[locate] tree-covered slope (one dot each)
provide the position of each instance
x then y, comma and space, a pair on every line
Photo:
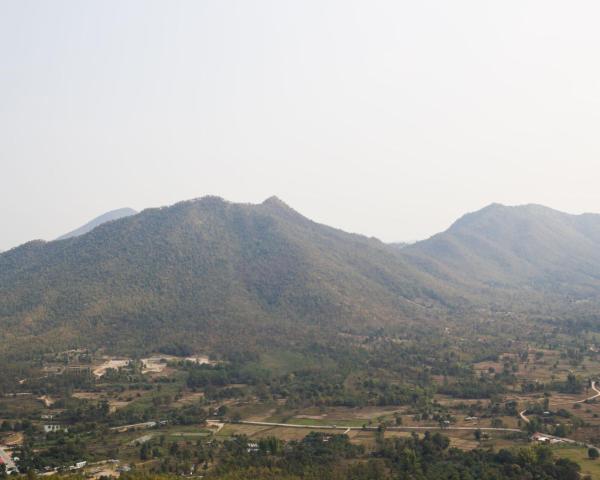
203, 272
208, 273
527, 249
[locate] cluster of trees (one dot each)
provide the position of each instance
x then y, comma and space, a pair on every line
223, 374
64, 449
572, 384
24, 426
332, 457
473, 387
428, 457
178, 457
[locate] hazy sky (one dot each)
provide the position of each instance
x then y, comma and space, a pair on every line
388, 118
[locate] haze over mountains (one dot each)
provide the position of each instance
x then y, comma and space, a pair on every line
106, 217
208, 271
527, 248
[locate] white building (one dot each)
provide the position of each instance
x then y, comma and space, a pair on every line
52, 427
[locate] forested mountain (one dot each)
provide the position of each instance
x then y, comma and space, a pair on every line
107, 217
207, 271
399, 245
526, 250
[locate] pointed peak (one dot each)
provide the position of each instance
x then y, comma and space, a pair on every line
274, 200
276, 205
494, 206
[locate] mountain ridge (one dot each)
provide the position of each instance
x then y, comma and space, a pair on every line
520, 246
213, 273
200, 270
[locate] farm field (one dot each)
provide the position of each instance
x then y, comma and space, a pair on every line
580, 455
139, 411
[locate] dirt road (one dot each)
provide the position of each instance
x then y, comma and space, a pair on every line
347, 428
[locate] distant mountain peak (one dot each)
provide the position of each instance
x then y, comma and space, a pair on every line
524, 246
533, 207
205, 271
275, 204
106, 217
500, 213
274, 200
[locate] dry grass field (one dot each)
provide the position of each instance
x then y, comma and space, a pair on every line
579, 455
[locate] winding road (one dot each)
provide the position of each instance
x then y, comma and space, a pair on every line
347, 429
594, 388
591, 398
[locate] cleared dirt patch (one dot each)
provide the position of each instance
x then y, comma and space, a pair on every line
115, 364
288, 433
338, 414
47, 400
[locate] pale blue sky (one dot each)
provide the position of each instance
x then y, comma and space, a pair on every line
388, 118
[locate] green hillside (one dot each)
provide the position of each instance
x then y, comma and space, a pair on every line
203, 273
212, 275
527, 251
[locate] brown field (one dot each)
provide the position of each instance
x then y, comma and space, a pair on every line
14, 439
338, 414
189, 398
287, 433
579, 455
543, 369
93, 396
115, 402
463, 440
240, 429
365, 438
460, 439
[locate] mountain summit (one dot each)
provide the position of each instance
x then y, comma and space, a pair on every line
206, 271
524, 247
210, 273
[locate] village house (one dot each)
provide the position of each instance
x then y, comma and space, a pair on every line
53, 427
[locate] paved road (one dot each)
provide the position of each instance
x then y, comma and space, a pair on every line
398, 428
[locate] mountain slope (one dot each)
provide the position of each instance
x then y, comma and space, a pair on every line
217, 275
399, 245
527, 249
107, 217
204, 272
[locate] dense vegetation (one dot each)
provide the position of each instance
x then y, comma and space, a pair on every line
519, 255
298, 316
202, 274
323, 457
215, 275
